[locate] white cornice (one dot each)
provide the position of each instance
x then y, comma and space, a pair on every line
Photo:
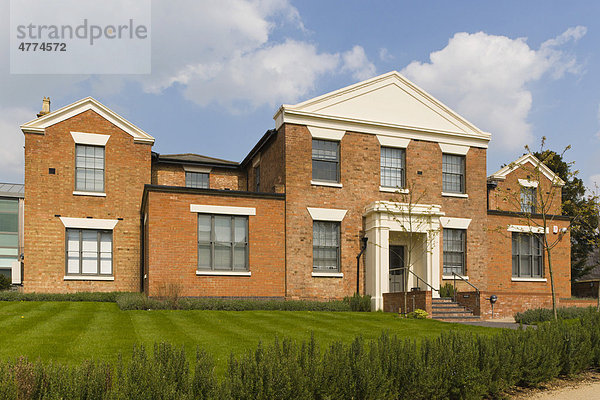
501, 174
326, 214
89, 223
38, 125
93, 139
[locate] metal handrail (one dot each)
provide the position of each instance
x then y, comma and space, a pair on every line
418, 278
454, 275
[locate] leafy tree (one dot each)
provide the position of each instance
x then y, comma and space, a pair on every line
585, 236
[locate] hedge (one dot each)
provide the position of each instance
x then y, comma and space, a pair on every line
456, 365
537, 315
139, 301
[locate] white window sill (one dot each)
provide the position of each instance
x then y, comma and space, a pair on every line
327, 275
393, 190
323, 183
461, 195
88, 278
95, 194
449, 278
223, 273
529, 279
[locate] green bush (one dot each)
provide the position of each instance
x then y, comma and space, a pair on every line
358, 302
537, 315
80, 296
5, 283
455, 365
417, 314
447, 290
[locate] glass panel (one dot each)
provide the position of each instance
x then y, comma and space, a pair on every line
106, 242
89, 241
9, 240
204, 256
73, 240
196, 180
9, 252
7, 262
90, 263
106, 265
222, 229
325, 157
239, 257
515, 265
240, 229
223, 256
6, 272
204, 228
9, 206
73, 263
9, 222
525, 266
324, 170
392, 167
453, 173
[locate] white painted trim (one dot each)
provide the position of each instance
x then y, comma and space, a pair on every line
528, 183
454, 149
391, 141
526, 229
529, 279
206, 209
449, 278
88, 278
323, 183
393, 190
93, 139
38, 125
223, 273
326, 133
256, 161
95, 194
455, 223
16, 273
326, 214
193, 168
500, 175
89, 223
327, 274
461, 195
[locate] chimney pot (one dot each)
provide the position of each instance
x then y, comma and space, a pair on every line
45, 107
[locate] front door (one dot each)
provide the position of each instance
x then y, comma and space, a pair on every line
396, 269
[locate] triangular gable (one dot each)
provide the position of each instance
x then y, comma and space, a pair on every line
501, 174
389, 103
39, 124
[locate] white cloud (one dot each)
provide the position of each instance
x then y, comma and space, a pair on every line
13, 140
357, 63
384, 54
485, 78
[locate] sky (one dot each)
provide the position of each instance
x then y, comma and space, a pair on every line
520, 70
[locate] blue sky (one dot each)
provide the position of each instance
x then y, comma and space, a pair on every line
221, 68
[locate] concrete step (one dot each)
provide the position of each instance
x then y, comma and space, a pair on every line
457, 318
452, 314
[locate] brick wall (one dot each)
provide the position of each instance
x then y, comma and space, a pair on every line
585, 289
219, 178
173, 255
127, 169
271, 159
359, 170
394, 302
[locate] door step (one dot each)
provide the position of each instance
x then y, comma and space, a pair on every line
446, 309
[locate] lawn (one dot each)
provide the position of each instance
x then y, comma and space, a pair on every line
69, 332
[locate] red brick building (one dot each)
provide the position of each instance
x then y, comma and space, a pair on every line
380, 161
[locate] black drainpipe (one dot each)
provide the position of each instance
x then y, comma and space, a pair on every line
362, 250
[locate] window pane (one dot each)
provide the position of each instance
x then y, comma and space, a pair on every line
197, 180
204, 227
9, 240
240, 229
73, 240
453, 173
9, 206
89, 163
222, 229
73, 262
326, 245
14, 252
89, 241
106, 242
324, 171
9, 222
325, 156
106, 264
239, 257
204, 257
223, 256
392, 167
89, 263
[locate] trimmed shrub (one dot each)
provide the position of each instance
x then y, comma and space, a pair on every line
537, 315
110, 297
447, 290
5, 283
417, 314
359, 303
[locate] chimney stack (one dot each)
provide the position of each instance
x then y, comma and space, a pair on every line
45, 107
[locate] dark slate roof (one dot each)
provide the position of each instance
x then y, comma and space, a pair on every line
194, 159
12, 190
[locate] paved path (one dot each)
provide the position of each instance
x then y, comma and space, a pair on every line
508, 322
584, 391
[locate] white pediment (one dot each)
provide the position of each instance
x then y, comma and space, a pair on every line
389, 105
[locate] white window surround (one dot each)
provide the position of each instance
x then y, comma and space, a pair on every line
528, 183
526, 229
449, 278
390, 141
327, 274
326, 133
326, 214
223, 273
515, 279
454, 149
325, 183
193, 168
95, 194
88, 278
226, 210
89, 223
393, 190
92, 139
460, 195
455, 223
